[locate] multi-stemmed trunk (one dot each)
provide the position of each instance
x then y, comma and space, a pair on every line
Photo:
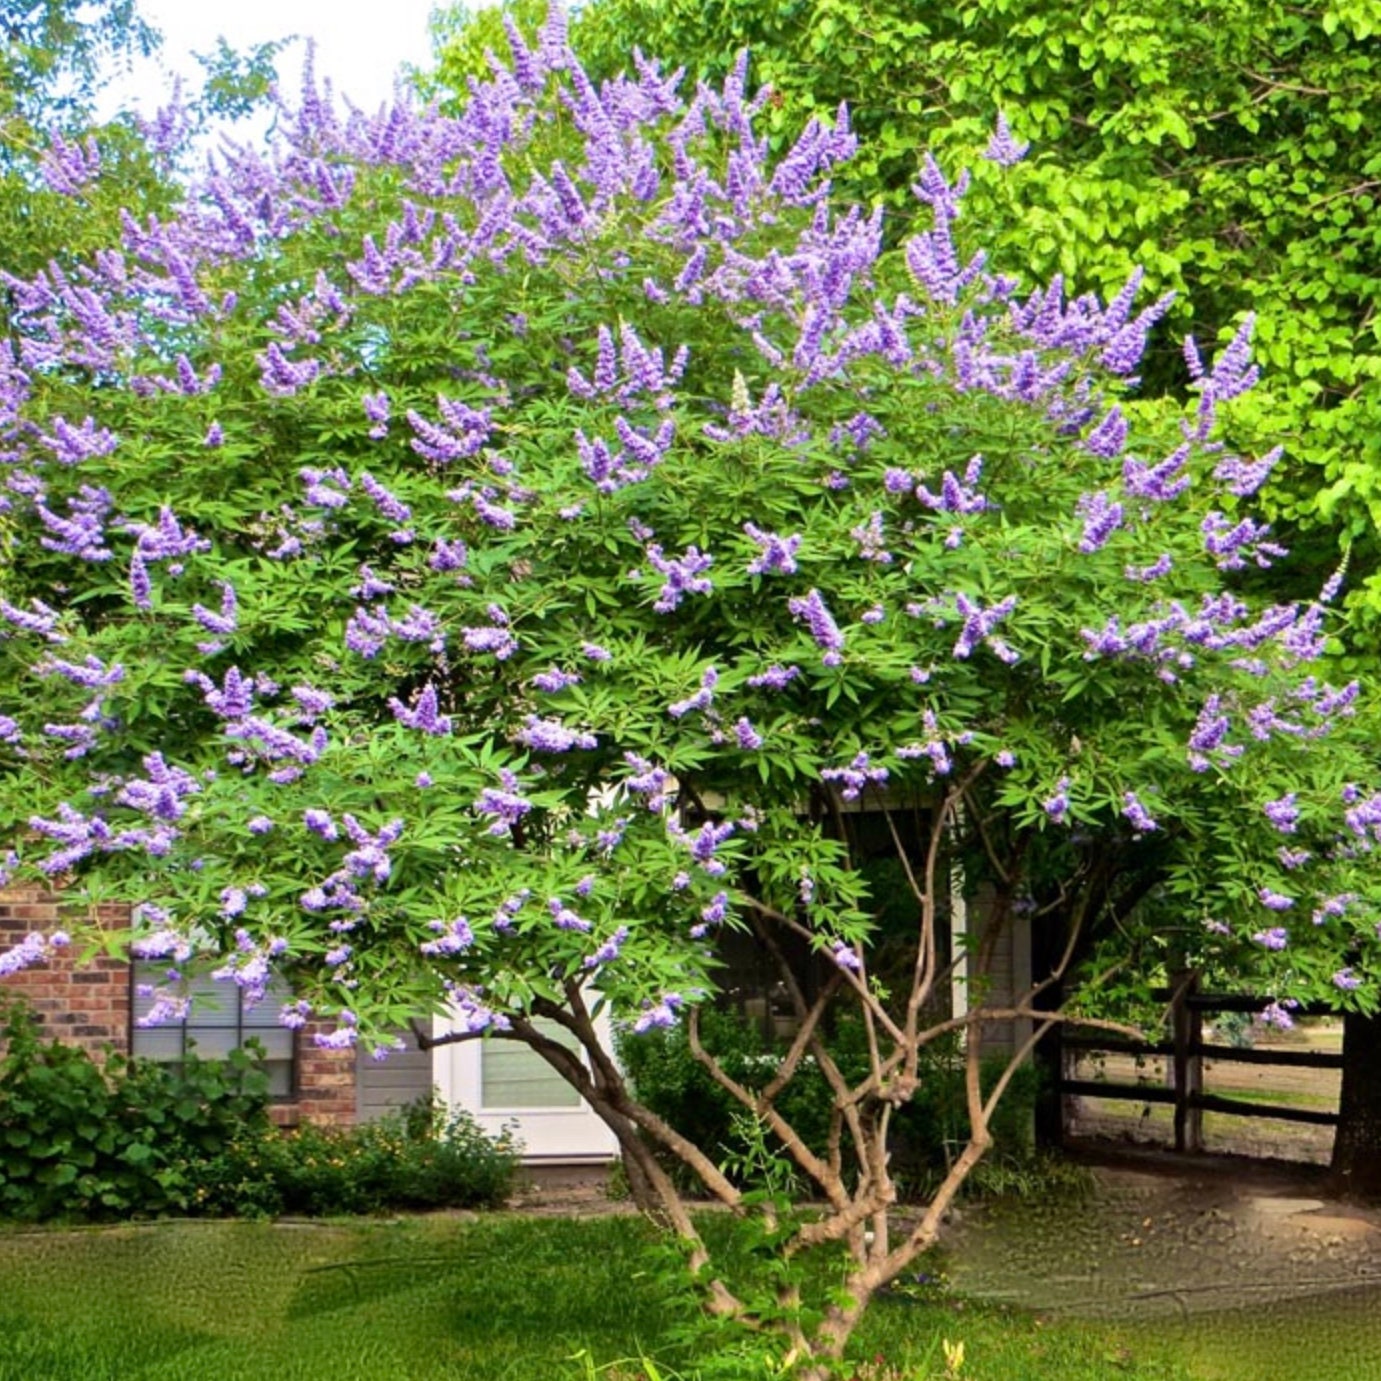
851, 1186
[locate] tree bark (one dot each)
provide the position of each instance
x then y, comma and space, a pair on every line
1357, 1145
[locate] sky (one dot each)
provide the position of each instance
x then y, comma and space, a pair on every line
360, 43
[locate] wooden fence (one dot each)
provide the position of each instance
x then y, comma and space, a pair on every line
1187, 1051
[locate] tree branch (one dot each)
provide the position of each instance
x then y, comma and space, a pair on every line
761, 1107
850, 978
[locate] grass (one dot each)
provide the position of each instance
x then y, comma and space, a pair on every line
494, 1298
368, 1301
1240, 1089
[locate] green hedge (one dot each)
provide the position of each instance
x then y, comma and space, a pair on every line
134, 1138
83, 1140
424, 1158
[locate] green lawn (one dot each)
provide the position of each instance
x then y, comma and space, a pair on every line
502, 1296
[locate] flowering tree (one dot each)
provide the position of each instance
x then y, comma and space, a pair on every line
1225, 147
474, 564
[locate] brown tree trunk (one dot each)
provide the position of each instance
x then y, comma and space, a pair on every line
1357, 1145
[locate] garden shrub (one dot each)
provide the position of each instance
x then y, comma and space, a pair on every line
130, 1137
489, 558
86, 1140
677, 1087
425, 1157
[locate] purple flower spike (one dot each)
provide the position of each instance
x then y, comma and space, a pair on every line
505, 803
684, 576
294, 1015
224, 623
554, 679
775, 554
1002, 148
858, 775
1137, 815
1206, 743
747, 736
565, 919
701, 700
979, 625
870, 541
655, 783
1233, 373
454, 938
1109, 437
1145, 574
609, 951
956, 495
552, 736
1283, 814
33, 949
1056, 807
846, 956
661, 1014
376, 409
812, 610
1332, 908
320, 823
41, 622
1101, 518
342, 1038
774, 678
423, 715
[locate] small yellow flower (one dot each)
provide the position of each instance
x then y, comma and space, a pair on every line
954, 1356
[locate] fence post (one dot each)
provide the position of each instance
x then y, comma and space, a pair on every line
1188, 1024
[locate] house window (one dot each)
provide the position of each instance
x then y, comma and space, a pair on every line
217, 1023
514, 1076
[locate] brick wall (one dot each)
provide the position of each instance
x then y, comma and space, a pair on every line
325, 1083
86, 1006
89, 1006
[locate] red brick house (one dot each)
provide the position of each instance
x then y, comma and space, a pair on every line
96, 1005
502, 1083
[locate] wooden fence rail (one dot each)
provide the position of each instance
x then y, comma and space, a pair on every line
1187, 1051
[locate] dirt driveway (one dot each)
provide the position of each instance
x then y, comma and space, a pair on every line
1157, 1241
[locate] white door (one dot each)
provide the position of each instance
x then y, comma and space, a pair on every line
504, 1083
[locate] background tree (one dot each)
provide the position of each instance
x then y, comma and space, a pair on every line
51, 67
65, 177
472, 564
57, 53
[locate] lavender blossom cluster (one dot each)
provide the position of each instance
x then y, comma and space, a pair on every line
693, 429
